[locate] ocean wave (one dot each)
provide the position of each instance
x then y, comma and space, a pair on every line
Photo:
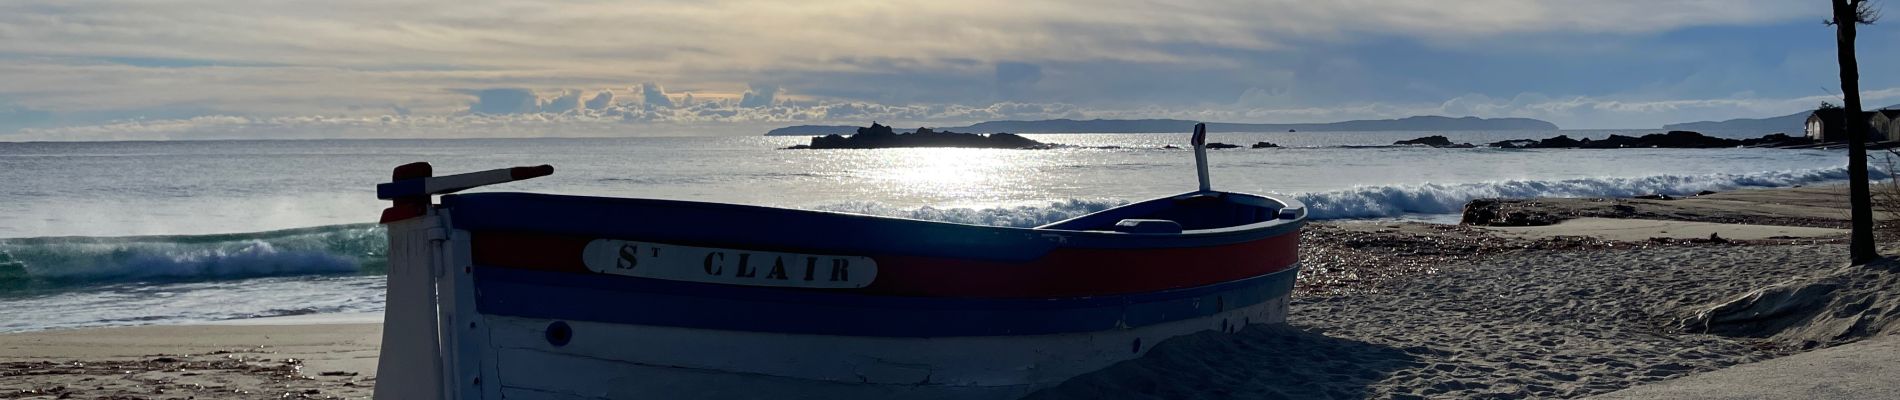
1399, 200
1366, 202
335, 249
361, 248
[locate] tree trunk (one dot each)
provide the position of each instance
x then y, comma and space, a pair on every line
1861, 249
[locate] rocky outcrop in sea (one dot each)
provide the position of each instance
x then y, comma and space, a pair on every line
1434, 141
882, 137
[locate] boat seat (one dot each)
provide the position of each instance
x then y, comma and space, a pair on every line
1147, 226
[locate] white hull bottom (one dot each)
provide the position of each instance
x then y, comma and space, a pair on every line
613, 361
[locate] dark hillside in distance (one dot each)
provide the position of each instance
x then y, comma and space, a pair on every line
1419, 123
1791, 123
1785, 123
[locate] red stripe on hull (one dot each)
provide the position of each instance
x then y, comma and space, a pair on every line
1073, 272
1064, 272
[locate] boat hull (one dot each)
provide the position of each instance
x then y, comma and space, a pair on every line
617, 361
540, 296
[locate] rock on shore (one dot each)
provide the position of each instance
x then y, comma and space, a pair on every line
1813, 206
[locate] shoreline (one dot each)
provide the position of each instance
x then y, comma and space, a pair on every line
1818, 206
1346, 256
1399, 309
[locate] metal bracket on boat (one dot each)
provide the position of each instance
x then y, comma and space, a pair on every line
411, 185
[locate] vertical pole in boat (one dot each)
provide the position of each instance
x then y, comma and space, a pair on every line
1200, 155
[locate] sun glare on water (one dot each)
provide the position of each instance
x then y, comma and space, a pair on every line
966, 176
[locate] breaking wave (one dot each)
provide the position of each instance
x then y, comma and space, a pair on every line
361, 248
336, 249
1400, 200
1367, 202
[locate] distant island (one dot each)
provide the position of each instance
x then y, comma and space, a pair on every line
1670, 140
1786, 123
1419, 123
879, 136
1791, 123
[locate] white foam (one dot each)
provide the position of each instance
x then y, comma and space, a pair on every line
252, 258
1399, 200
360, 317
80, 260
1392, 201
348, 248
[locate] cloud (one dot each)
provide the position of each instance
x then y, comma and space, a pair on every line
601, 100
1015, 79
1256, 97
694, 43
676, 37
759, 96
505, 101
720, 117
653, 95
569, 100
102, 63
732, 118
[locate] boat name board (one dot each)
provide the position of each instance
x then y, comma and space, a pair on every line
727, 266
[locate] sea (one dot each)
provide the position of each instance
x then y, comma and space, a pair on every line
174, 232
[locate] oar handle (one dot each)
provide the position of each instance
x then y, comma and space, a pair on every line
1200, 155
411, 185
425, 185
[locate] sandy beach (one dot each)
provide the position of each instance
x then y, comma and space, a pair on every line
1590, 304
275, 361
1587, 306
1549, 324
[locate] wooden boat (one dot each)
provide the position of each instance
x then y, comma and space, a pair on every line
535, 296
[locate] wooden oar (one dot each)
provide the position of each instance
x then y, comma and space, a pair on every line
411, 186
1200, 155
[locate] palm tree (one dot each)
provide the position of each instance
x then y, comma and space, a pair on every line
1847, 15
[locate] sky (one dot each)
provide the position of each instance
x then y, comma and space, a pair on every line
201, 69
